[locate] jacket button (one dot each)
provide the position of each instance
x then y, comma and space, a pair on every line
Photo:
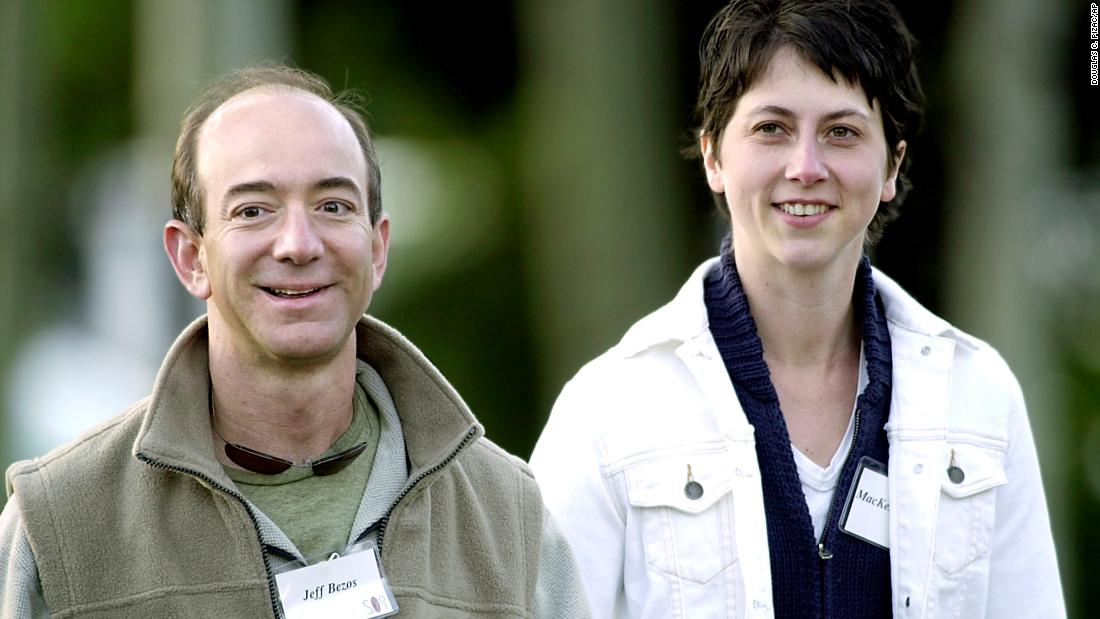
954, 473
927, 350
692, 489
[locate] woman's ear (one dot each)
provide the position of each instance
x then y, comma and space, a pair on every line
890, 185
710, 163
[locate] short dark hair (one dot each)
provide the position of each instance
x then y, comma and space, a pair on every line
863, 41
187, 203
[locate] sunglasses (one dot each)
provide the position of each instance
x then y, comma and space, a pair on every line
259, 462
265, 464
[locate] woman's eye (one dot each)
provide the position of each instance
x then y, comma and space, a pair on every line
251, 212
841, 132
768, 128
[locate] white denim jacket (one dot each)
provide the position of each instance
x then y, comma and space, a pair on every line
613, 464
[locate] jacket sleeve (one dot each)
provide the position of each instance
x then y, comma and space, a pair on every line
559, 592
1023, 577
20, 591
567, 465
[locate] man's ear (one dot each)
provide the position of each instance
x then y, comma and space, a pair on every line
184, 247
380, 248
711, 164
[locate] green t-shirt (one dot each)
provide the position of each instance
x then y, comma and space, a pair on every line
317, 513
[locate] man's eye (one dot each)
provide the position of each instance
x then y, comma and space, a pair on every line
251, 212
334, 207
768, 128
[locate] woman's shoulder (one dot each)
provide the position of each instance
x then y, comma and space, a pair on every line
909, 319
982, 392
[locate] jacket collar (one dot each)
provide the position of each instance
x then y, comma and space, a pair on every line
175, 431
685, 317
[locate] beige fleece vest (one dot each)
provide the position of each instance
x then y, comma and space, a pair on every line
116, 537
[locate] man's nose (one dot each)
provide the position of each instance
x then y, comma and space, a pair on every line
806, 164
298, 238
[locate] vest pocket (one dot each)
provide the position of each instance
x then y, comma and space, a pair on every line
687, 529
964, 525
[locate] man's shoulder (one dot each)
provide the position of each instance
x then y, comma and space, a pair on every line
496, 459
497, 482
96, 450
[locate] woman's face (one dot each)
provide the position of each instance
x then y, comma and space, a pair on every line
803, 164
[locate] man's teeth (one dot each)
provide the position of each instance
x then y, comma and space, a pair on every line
801, 210
292, 293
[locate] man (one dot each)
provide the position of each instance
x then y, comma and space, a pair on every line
285, 426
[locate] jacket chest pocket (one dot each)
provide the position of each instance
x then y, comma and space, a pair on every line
964, 525
686, 522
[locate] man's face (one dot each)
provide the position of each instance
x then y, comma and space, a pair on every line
803, 164
288, 260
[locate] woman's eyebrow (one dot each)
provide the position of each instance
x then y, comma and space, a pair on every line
849, 111
779, 110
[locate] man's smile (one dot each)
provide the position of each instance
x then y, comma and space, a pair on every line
292, 293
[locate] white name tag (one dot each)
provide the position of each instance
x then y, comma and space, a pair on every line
866, 513
348, 586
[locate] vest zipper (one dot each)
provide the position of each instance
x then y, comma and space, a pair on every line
272, 591
380, 525
822, 549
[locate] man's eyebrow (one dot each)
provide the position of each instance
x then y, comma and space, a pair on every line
334, 182
250, 187
338, 182
786, 113
245, 188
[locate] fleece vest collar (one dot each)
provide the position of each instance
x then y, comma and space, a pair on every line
175, 431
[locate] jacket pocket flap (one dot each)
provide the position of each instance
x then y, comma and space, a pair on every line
665, 482
979, 469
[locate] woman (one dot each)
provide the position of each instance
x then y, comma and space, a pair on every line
793, 435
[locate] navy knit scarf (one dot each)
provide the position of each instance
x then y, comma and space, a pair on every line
855, 581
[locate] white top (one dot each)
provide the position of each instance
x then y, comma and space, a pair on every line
818, 484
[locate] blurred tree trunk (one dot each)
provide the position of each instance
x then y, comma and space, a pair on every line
178, 47
21, 172
1003, 180
602, 226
